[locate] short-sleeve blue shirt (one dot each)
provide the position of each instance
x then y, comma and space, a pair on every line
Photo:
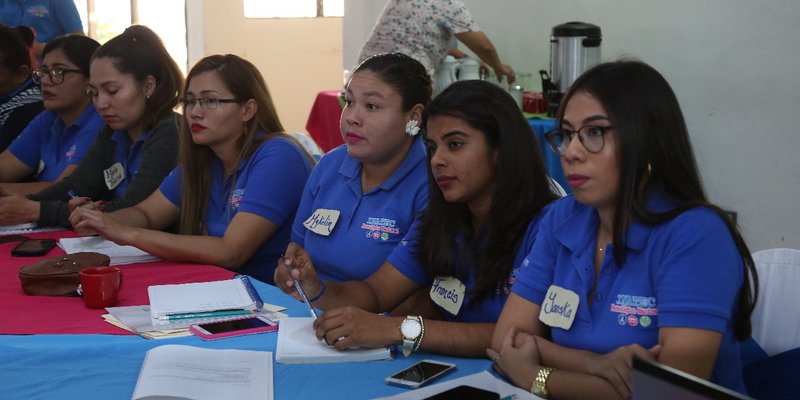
48, 146
683, 273
268, 184
371, 224
405, 258
50, 18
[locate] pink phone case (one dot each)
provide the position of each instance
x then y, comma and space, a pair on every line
195, 329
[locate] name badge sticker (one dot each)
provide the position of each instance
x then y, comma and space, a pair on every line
114, 175
448, 293
559, 307
322, 221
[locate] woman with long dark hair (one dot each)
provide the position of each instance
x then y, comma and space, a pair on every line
637, 262
488, 189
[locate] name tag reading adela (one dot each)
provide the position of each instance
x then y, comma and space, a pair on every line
448, 293
322, 221
114, 176
559, 307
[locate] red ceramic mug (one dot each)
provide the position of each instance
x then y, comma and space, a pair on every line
100, 286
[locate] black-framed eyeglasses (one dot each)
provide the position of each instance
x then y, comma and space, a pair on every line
56, 74
207, 103
590, 136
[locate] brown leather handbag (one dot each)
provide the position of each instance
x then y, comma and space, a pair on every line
58, 276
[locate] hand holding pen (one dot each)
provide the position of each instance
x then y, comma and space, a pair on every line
75, 201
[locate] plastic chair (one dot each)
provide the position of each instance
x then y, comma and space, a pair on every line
309, 144
776, 319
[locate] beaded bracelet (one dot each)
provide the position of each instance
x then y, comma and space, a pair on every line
421, 334
321, 293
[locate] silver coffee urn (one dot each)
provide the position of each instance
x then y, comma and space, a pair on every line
574, 48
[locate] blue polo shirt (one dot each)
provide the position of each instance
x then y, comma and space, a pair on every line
371, 224
129, 155
48, 146
268, 184
405, 258
683, 273
50, 18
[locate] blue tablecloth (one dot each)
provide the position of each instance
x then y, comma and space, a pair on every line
106, 366
552, 161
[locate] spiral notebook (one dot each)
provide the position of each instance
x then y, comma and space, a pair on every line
203, 297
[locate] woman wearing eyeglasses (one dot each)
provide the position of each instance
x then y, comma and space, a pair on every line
238, 185
636, 263
134, 85
56, 141
20, 97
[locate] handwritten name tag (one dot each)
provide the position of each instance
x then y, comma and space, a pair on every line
322, 221
559, 307
448, 293
114, 176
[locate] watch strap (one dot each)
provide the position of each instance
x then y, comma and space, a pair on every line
539, 387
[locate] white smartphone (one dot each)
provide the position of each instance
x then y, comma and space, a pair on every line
420, 373
235, 327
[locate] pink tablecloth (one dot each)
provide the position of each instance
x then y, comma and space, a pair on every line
22, 314
323, 121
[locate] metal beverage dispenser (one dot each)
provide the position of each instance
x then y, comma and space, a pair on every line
574, 48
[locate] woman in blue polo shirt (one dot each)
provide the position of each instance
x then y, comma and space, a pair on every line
55, 142
362, 197
488, 190
236, 190
20, 97
637, 262
134, 85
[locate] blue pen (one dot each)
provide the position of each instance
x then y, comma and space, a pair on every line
208, 314
72, 194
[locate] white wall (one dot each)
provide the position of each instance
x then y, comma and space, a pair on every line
732, 63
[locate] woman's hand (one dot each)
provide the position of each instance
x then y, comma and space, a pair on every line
17, 209
349, 327
617, 365
296, 265
518, 358
86, 220
506, 71
85, 202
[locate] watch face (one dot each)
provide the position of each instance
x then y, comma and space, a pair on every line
410, 328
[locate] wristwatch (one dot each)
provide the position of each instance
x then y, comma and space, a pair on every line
411, 329
539, 387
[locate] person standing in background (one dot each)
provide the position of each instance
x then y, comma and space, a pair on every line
49, 18
423, 29
20, 97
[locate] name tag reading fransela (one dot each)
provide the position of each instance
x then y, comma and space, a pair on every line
322, 221
559, 307
448, 292
114, 176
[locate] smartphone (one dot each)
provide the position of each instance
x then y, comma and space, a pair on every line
464, 392
234, 327
33, 247
420, 373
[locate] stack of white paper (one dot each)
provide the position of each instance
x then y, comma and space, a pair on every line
297, 343
119, 255
187, 372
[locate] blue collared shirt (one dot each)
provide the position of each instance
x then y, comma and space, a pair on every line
268, 184
683, 273
50, 18
370, 224
48, 146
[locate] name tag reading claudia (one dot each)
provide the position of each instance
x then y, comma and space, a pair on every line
559, 307
114, 176
448, 293
322, 221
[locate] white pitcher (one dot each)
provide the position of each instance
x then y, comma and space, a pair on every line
470, 69
446, 74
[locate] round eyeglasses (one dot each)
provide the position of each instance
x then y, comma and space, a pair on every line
206, 103
590, 136
56, 74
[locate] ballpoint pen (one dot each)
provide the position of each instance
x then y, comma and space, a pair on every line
207, 314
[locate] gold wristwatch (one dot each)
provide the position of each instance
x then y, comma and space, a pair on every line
539, 387
411, 329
